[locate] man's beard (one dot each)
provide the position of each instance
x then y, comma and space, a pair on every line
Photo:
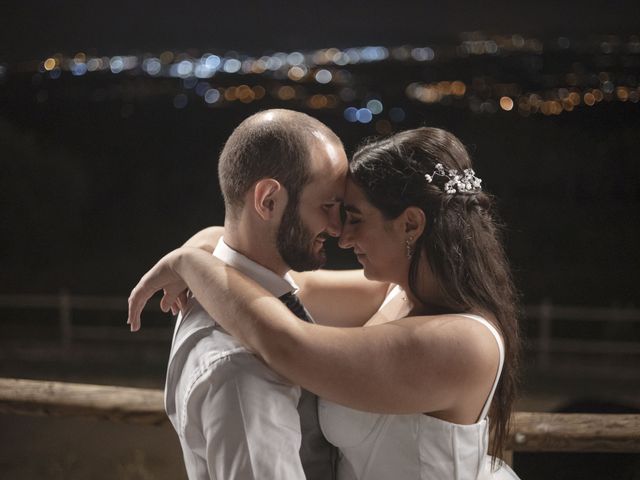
295, 242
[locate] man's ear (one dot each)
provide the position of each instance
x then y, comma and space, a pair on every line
269, 196
414, 221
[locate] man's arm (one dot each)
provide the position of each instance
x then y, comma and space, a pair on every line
242, 418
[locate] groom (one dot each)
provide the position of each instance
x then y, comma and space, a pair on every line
282, 175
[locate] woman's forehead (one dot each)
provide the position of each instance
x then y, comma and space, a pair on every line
354, 198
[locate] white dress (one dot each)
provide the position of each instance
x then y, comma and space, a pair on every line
417, 447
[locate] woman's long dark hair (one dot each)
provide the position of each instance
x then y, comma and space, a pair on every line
461, 239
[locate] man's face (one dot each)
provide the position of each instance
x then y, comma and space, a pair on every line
306, 225
296, 242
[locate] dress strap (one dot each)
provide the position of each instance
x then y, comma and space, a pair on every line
496, 335
393, 293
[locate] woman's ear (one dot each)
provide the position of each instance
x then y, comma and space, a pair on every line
269, 196
414, 222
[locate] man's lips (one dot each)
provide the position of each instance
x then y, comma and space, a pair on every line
320, 239
319, 244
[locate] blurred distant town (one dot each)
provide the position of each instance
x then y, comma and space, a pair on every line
481, 73
111, 161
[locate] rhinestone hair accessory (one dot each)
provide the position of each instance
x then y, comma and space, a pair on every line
467, 182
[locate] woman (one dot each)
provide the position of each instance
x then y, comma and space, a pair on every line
442, 350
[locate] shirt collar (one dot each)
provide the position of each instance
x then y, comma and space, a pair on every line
267, 279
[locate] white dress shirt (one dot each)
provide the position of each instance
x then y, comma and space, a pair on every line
235, 417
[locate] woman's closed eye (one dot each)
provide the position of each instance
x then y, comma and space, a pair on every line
351, 219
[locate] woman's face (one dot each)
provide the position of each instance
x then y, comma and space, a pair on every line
379, 244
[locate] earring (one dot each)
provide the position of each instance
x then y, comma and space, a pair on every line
409, 246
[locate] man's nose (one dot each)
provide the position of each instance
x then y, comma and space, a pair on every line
334, 228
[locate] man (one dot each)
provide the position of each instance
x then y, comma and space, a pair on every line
282, 176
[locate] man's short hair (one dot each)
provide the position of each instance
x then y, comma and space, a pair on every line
270, 144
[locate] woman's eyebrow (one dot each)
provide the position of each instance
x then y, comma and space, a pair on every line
350, 208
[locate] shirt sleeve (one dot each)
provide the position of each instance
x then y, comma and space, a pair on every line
242, 420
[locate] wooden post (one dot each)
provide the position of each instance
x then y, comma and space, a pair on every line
544, 335
65, 320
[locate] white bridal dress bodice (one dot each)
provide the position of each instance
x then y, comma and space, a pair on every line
411, 447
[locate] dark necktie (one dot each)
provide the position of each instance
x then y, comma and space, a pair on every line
317, 455
293, 303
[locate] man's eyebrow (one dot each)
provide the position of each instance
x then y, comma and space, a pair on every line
351, 208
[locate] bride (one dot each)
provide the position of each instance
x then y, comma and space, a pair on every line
414, 392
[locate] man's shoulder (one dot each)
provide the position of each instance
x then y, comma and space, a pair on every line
202, 348
217, 359
196, 329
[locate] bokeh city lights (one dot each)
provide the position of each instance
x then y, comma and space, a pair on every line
373, 86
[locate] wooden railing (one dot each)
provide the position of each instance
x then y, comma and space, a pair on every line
543, 344
531, 431
65, 304
35, 397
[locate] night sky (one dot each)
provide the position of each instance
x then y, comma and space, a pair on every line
109, 185
31, 29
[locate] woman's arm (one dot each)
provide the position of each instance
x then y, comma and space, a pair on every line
419, 364
205, 239
340, 298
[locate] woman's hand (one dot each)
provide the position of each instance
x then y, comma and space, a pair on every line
162, 276
206, 240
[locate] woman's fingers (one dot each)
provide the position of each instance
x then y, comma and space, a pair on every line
160, 277
182, 300
140, 295
180, 303
137, 300
168, 300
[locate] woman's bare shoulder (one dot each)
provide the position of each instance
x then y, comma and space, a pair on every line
455, 341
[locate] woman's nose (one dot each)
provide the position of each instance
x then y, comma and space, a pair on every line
346, 237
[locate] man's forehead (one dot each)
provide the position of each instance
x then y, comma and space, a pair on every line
327, 184
328, 191
329, 167
333, 148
